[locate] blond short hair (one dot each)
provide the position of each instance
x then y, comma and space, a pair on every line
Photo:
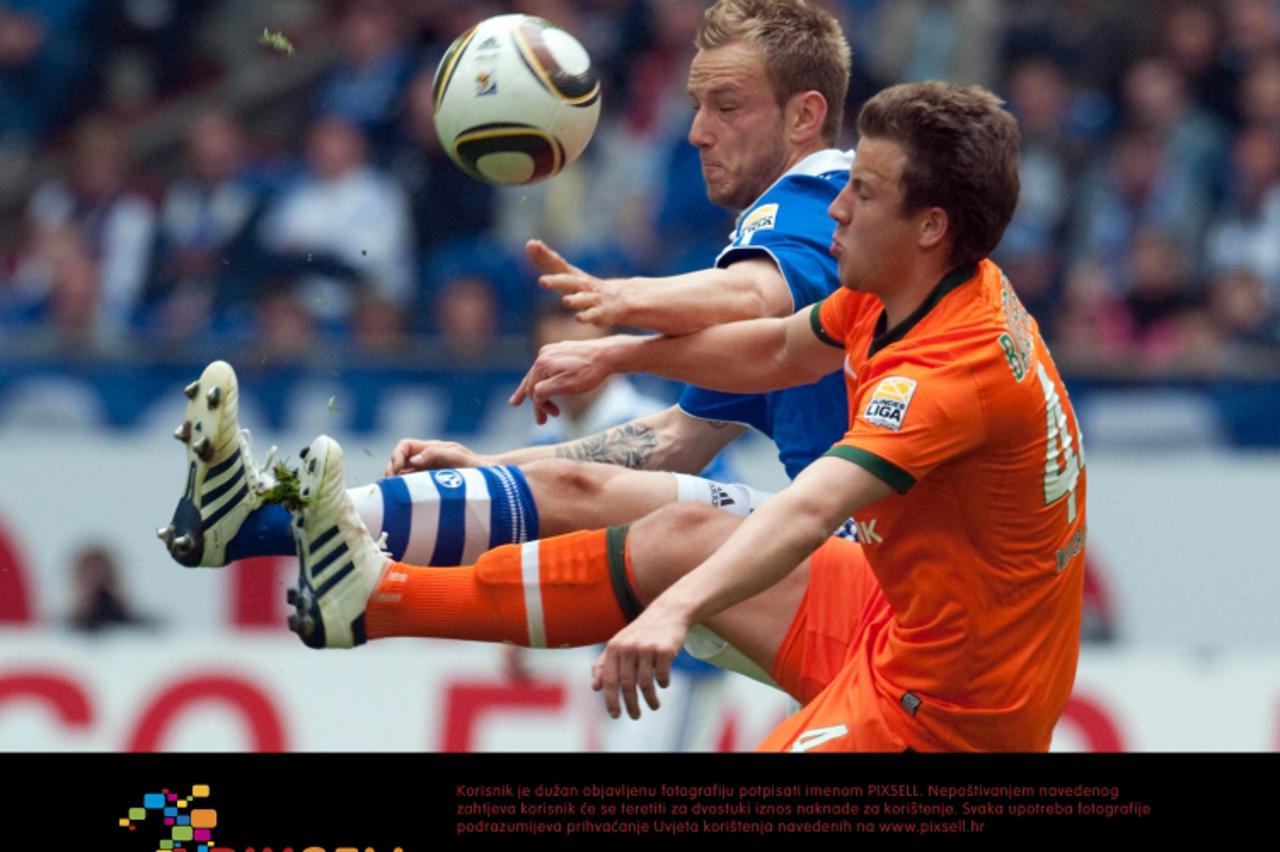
804, 48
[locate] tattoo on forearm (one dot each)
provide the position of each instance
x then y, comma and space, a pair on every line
629, 445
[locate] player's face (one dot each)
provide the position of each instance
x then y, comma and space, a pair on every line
872, 238
738, 125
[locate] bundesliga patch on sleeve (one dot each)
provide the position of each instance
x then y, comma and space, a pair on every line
889, 401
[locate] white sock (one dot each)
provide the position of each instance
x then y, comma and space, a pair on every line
735, 498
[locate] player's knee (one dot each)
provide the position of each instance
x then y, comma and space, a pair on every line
681, 519
668, 543
565, 480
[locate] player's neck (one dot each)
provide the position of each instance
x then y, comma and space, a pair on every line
911, 290
799, 153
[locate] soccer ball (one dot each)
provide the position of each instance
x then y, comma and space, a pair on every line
516, 100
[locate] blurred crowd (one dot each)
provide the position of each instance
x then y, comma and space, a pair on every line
1147, 240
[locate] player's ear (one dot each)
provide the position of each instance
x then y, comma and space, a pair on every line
805, 113
934, 227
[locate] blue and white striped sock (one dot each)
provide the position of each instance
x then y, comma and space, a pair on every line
436, 517
449, 517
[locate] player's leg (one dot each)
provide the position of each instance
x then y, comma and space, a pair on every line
849, 715
667, 544
574, 495
575, 589
440, 517
449, 517
826, 662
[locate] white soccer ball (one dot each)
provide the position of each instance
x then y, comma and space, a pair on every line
516, 100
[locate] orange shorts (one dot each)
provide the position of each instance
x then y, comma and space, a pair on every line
825, 659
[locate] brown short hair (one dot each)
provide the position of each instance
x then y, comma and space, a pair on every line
804, 48
962, 156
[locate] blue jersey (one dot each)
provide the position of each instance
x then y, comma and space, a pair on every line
789, 224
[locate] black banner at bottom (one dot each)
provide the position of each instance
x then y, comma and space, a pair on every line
415, 802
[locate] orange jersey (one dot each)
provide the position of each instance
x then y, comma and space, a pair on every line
980, 553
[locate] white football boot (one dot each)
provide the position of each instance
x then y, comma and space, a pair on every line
224, 484
339, 563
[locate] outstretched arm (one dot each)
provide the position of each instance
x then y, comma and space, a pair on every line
666, 440
677, 304
745, 357
766, 547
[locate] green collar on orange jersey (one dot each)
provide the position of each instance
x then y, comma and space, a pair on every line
949, 282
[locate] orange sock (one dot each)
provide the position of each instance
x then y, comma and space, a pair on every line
573, 589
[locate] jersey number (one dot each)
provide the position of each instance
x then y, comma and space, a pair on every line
1062, 464
815, 737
